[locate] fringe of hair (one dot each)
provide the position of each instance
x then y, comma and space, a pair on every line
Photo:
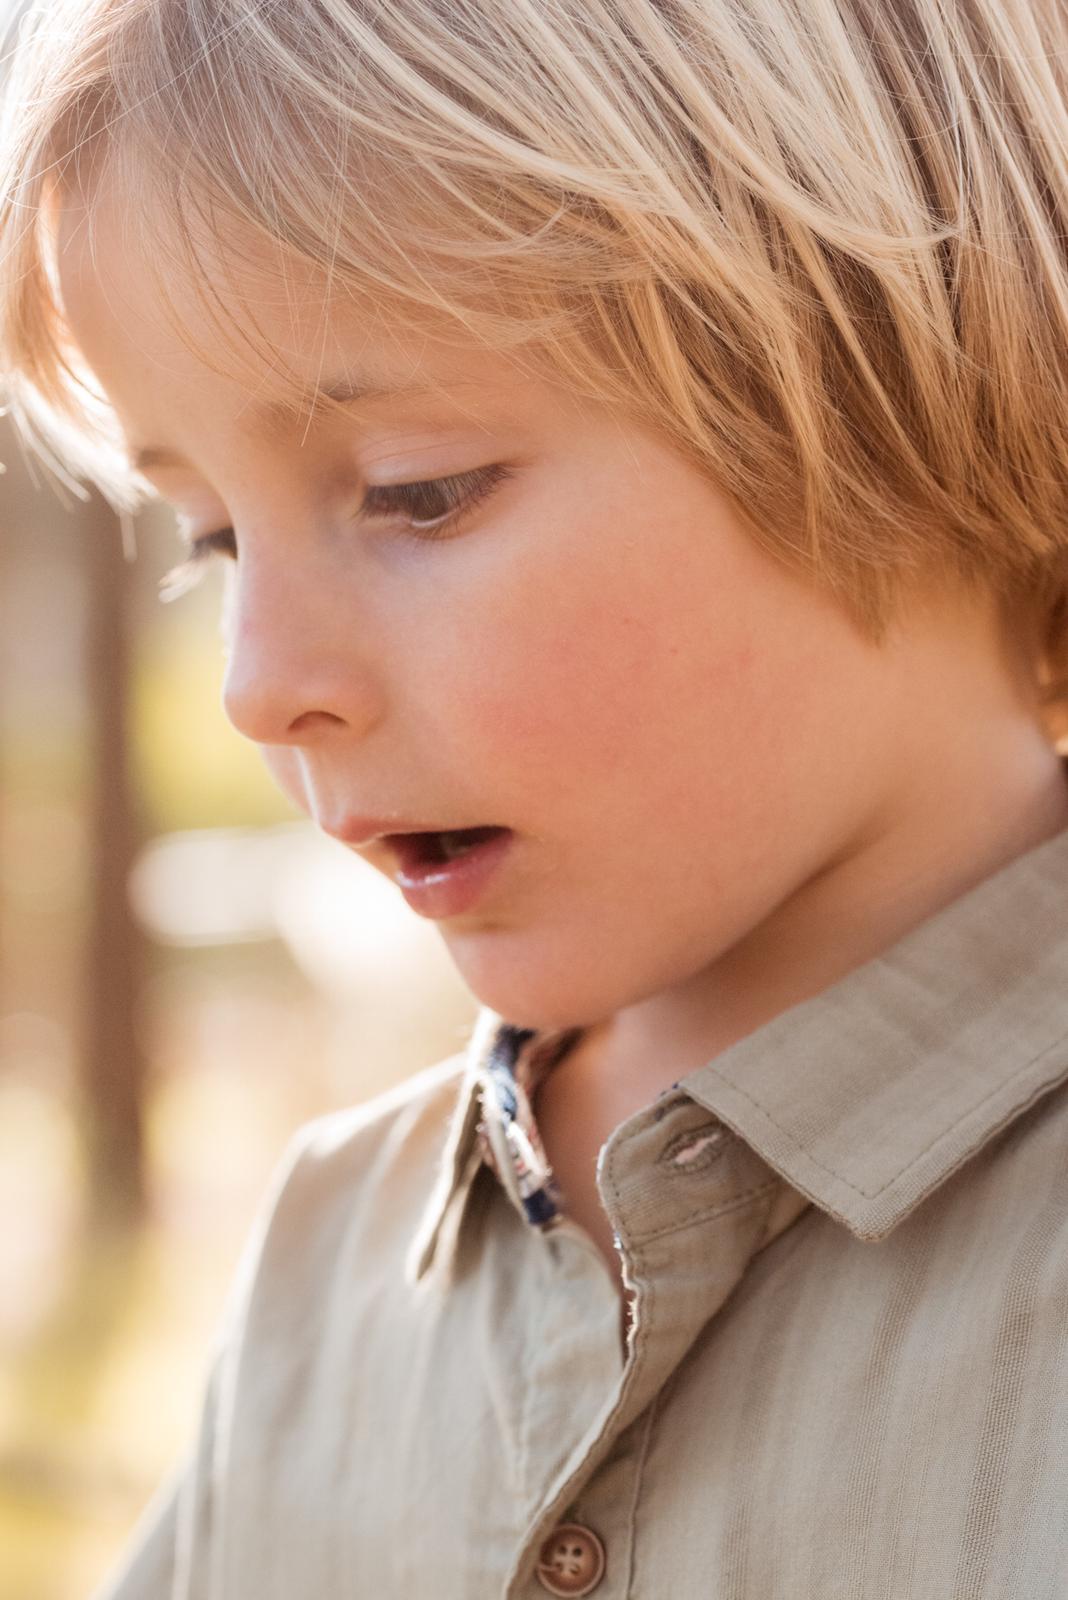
821, 244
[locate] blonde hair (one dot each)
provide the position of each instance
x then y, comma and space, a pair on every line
821, 244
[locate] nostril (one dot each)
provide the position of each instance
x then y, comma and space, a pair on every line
310, 721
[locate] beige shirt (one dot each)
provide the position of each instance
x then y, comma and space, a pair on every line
846, 1376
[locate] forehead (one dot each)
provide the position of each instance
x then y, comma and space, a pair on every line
247, 323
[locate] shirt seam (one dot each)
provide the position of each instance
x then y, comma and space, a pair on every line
525, 1474
639, 1476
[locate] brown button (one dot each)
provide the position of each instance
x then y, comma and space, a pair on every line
571, 1560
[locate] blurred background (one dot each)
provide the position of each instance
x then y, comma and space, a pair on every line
187, 973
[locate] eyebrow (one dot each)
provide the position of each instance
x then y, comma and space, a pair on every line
272, 414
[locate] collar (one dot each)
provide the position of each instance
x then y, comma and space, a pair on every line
871, 1094
525, 1054
462, 1156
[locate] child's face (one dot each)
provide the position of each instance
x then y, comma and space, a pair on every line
678, 732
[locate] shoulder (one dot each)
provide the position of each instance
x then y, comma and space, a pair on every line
1023, 1174
378, 1149
995, 1235
350, 1186
329, 1148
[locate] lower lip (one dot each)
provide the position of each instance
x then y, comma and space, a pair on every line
448, 888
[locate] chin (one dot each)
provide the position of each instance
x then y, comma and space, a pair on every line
531, 988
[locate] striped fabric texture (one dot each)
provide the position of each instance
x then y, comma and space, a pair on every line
845, 1245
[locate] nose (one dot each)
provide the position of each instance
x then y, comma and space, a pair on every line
293, 672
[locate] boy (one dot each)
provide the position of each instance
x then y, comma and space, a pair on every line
675, 614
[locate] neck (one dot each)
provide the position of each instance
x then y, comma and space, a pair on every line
981, 810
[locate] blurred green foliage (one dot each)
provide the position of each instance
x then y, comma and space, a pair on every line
193, 769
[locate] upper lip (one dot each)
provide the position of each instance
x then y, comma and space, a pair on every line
364, 830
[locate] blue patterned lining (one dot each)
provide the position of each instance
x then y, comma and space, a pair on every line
512, 1067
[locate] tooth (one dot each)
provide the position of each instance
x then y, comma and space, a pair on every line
454, 844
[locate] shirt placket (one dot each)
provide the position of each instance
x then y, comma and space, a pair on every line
690, 1204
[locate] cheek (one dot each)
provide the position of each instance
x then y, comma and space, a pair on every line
664, 703
604, 694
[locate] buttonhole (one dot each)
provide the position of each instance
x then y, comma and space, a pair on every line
697, 1148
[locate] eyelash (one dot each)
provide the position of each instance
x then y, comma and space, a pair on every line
461, 493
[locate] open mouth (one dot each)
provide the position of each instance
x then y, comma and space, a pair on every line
432, 849
444, 873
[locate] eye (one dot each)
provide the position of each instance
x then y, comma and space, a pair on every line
428, 505
188, 573
431, 504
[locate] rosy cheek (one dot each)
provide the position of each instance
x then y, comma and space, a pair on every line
569, 695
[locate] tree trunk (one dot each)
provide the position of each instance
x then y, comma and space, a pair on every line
114, 1067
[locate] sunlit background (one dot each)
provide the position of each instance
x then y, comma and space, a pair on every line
187, 972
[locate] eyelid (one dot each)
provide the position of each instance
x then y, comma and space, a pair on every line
180, 579
461, 493
465, 490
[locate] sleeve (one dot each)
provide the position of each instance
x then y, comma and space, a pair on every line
171, 1538
175, 1547
147, 1567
